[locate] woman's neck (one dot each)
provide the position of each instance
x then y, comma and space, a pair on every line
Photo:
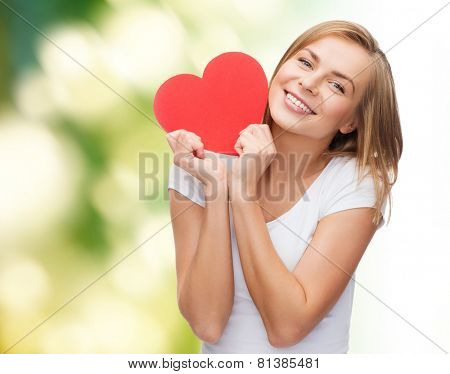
297, 155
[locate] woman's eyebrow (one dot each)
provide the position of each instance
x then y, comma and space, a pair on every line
334, 72
313, 54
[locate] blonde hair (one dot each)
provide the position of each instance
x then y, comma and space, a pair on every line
377, 141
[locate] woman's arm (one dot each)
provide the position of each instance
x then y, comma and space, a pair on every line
292, 303
205, 284
205, 290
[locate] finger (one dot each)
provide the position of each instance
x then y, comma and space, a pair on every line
247, 138
182, 146
247, 142
198, 145
193, 134
195, 144
266, 130
199, 151
254, 127
247, 129
260, 130
177, 136
189, 163
256, 130
172, 138
238, 147
182, 149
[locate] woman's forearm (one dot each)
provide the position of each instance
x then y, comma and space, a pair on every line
207, 295
277, 294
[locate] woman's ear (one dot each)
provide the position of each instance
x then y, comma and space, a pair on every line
349, 127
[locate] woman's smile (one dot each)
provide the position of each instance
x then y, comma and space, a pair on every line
297, 105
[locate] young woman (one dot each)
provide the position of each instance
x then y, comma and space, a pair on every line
265, 259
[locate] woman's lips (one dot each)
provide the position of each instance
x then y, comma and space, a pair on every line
294, 107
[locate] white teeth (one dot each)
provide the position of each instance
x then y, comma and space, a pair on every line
298, 103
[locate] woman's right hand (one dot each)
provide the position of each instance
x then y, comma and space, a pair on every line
189, 154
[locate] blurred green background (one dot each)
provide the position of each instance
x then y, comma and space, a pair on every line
76, 96
70, 203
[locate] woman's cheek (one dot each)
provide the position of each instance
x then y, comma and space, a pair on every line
338, 111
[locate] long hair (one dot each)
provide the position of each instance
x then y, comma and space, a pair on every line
377, 141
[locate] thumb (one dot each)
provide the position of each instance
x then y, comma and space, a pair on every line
172, 139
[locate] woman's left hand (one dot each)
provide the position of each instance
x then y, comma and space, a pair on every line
256, 151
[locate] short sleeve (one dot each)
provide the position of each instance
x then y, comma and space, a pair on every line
186, 184
346, 193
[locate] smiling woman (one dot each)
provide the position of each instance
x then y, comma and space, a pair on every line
347, 80
266, 256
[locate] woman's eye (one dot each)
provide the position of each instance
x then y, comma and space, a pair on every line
305, 62
338, 86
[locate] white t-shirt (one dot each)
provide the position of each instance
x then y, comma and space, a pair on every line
335, 189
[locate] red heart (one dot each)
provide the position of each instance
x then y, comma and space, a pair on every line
231, 95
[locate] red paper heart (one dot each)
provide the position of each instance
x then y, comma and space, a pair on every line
231, 95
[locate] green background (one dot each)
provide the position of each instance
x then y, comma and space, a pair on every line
78, 80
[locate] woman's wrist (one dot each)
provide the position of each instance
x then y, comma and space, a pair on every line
240, 190
217, 188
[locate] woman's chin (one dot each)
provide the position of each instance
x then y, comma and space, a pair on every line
288, 123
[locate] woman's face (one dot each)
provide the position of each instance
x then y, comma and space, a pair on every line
316, 91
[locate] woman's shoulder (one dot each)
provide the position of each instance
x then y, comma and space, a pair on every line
342, 168
345, 168
343, 189
343, 173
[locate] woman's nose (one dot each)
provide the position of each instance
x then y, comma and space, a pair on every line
309, 84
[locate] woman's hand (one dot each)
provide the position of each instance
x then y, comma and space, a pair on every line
189, 154
256, 151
